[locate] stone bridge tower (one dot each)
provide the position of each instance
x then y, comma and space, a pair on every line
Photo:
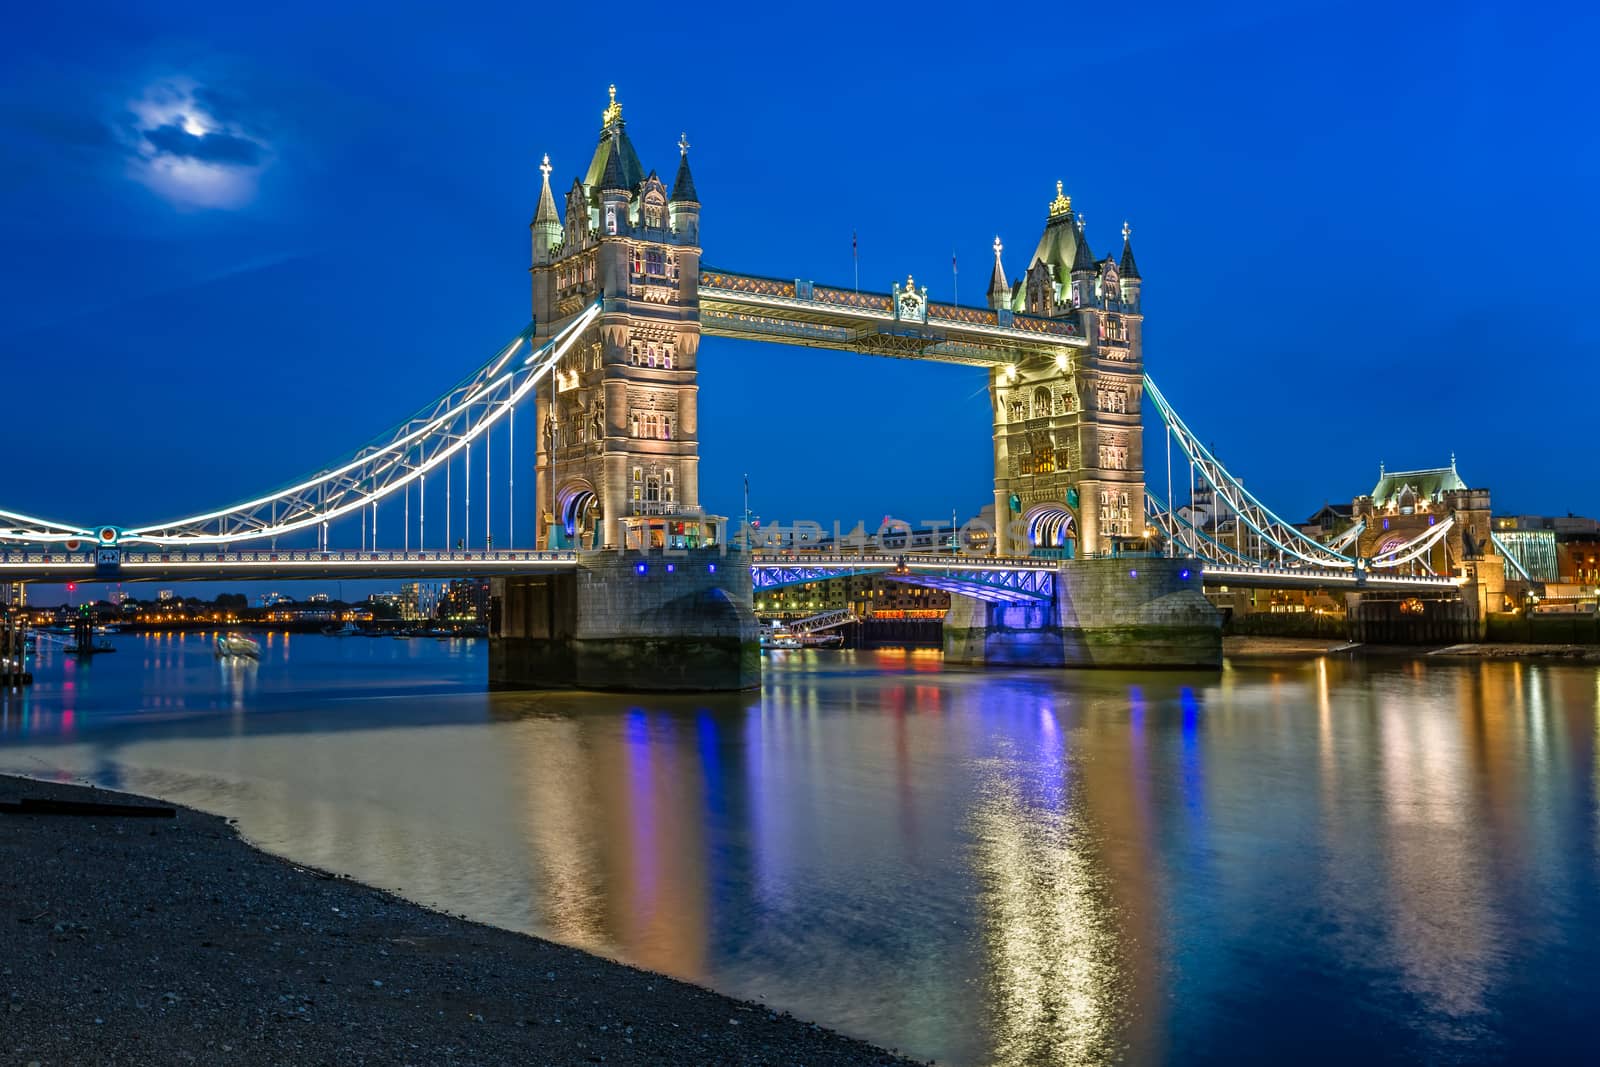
617, 421
1068, 445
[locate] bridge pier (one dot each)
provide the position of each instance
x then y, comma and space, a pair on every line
983, 633
1130, 612
629, 621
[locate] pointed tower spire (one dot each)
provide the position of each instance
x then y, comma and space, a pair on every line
546, 220
612, 177
999, 289
1082, 258
683, 185
547, 199
1129, 268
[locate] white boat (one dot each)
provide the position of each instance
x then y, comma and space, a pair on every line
779, 637
231, 646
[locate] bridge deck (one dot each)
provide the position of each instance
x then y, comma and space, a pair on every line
804, 313
1014, 577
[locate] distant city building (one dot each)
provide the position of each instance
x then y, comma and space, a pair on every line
465, 600
13, 594
317, 598
1403, 505
391, 605
1563, 526
165, 595
868, 596
1576, 559
419, 600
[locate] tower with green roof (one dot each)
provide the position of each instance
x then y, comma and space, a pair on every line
1068, 449
618, 424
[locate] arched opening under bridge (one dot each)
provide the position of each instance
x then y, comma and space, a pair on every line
1052, 531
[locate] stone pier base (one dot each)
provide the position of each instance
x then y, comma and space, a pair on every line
629, 621
1127, 612
1137, 612
979, 633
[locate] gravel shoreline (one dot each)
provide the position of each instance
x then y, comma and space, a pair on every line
169, 941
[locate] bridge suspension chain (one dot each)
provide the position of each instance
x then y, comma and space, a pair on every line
387, 465
1261, 520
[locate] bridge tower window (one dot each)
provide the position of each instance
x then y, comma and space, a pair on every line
1041, 402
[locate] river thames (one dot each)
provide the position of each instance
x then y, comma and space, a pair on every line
1319, 860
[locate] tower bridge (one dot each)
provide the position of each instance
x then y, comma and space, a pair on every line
612, 573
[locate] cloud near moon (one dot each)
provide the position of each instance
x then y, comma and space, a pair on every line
186, 146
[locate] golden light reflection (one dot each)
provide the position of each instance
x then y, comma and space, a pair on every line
1049, 930
1440, 908
1325, 753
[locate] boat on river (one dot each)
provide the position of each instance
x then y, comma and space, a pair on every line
237, 646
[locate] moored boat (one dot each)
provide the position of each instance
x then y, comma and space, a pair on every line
237, 646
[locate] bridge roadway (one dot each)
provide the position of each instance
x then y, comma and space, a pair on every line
799, 312
988, 577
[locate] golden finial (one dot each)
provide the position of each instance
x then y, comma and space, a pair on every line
613, 111
1061, 204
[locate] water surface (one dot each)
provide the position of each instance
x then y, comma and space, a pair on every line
1325, 860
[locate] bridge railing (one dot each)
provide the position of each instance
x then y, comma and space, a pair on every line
135, 558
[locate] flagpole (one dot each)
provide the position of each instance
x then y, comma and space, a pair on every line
855, 258
955, 277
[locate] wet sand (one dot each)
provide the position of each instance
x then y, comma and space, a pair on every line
168, 941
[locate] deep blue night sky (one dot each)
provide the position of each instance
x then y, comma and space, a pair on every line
1364, 231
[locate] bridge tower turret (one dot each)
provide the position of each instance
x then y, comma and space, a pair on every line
619, 427
1129, 270
999, 290
546, 225
1069, 463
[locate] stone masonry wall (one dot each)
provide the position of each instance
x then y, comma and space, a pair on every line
1137, 612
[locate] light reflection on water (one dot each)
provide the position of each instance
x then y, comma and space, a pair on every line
1300, 860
